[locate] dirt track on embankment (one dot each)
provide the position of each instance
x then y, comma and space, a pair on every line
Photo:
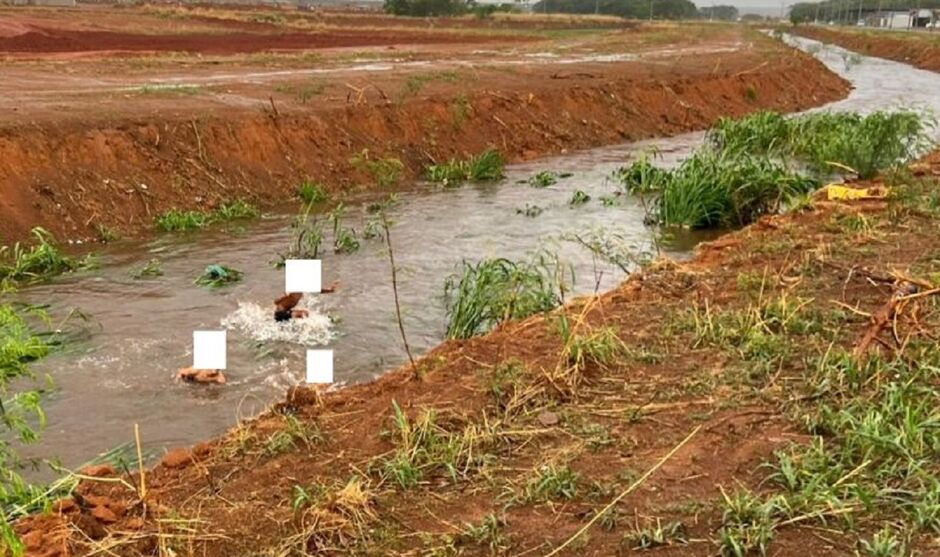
918, 49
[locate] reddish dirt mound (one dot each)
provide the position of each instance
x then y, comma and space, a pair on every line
47, 40
910, 49
120, 171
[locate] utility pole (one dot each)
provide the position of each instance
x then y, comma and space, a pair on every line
651, 10
816, 19
859, 10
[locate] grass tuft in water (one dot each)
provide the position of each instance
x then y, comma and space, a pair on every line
492, 291
42, 260
311, 192
176, 220
485, 167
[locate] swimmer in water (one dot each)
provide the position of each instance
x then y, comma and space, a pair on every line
201, 376
284, 306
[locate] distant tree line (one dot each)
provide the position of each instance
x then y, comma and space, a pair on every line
434, 8
632, 9
846, 11
722, 13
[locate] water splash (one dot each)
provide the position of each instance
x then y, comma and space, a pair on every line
258, 323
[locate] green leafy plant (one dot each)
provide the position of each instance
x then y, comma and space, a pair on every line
40, 261
551, 483
235, 210
487, 166
344, 239
579, 198
543, 179
175, 220
216, 276
386, 171
153, 268
311, 192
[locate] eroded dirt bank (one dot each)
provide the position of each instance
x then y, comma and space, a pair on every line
512, 442
77, 164
917, 49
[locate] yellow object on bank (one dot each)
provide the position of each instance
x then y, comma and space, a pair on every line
834, 191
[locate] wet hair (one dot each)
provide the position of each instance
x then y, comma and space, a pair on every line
282, 315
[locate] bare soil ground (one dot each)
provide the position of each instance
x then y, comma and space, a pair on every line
94, 140
921, 49
542, 432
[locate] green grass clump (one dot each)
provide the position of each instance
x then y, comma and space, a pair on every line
176, 220
642, 176
485, 167
216, 276
311, 192
21, 418
42, 260
551, 483
543, 179
829, 142
714, 189
578, 198
426, 447
235, 210
152, 269
386, 171
495, 290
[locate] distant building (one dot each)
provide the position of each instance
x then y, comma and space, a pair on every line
907, 19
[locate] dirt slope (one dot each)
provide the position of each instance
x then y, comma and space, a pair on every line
72, 163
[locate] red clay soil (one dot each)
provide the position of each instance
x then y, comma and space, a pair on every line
47, 40
910, 48
122, 163
608, 422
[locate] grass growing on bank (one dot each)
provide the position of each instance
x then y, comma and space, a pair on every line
43, 259
485, 167
176, 220
492, 291
828, 142
746, 169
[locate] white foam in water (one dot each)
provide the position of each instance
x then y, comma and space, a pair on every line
258, 323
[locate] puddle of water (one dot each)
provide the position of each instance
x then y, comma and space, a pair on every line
141, 330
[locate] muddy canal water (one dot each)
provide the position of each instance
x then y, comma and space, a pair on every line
140, 331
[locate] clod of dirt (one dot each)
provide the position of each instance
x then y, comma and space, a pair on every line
104, 515
98, 471
177, 458
548, 419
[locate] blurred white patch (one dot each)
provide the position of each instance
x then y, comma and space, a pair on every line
257, 323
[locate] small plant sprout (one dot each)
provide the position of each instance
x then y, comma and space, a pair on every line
530, 211
551, 483
311, 192
543, 179
153, 269
386, 171
344, 239
579, 198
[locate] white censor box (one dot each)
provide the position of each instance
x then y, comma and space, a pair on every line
320, 366
209, 349
303, 275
